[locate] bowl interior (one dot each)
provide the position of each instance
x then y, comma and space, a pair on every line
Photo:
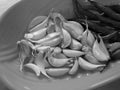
14, 22
13, 25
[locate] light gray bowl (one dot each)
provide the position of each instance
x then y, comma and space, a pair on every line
13, 25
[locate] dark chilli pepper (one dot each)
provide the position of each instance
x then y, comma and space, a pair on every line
108, 11
116, 55
116, 8
90, 7
113, 37
108, 21
96, 28
82, 12
76, 9
114, 46
110, 37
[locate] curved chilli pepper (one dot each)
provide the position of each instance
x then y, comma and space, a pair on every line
108, 21
116, 55
114, 47
75, 9
96, 28
83, 12
116, 8
106, 38
108, 11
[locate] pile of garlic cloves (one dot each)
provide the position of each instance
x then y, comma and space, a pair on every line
55, 47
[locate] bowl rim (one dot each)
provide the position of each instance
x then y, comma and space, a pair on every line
3, 15
70, 81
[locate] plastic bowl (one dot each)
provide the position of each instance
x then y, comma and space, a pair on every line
13, 25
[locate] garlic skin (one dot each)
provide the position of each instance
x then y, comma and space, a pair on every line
46, 38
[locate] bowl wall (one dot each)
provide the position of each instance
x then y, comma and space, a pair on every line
13, 25
14, 22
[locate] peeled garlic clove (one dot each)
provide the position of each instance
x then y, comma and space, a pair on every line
37, 35
89, 66
56, 62
60, 56
33, 67
74, 68
57, 50
47, 38
57, 71
84, 37
42, 48
37, 20
103, 48
40, 26
66, 39
75, 45
98, 52
43, 24
58, 19
74, 28
90, 57
52, 42
90, 38
72, 53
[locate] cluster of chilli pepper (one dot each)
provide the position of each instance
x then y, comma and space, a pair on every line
103, 20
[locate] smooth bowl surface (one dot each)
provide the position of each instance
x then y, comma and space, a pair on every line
14, 22
13, 25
